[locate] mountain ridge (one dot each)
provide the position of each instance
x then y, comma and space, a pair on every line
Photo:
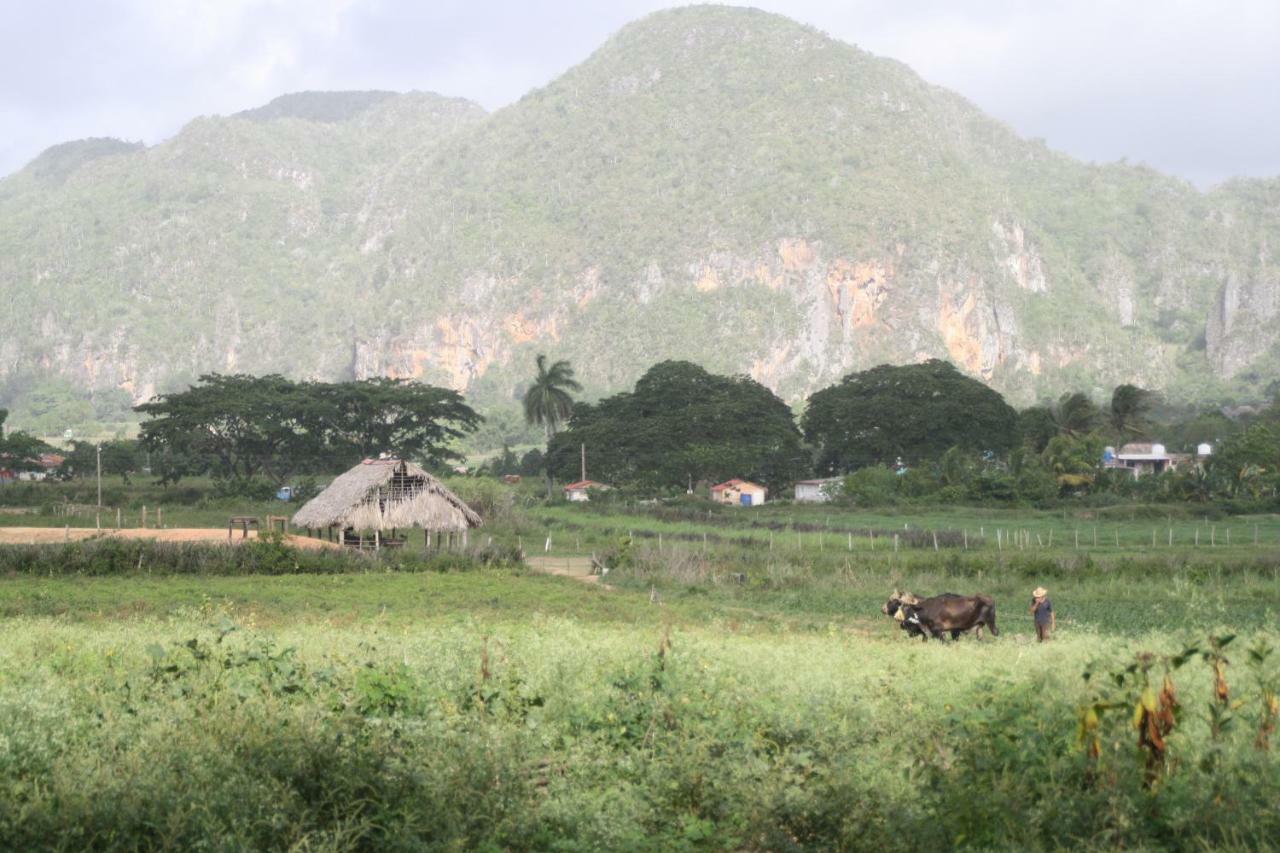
715, 184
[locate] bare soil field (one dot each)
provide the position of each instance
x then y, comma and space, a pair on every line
45, 535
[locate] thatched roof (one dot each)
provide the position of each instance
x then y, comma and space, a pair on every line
379, 494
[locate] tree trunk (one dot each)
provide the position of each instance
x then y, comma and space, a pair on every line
547, 460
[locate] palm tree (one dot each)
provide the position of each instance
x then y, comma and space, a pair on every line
1076, 415
1130, 406
547, 402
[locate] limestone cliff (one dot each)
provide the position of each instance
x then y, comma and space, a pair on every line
715, 184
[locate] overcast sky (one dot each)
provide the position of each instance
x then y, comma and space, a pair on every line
1191, 87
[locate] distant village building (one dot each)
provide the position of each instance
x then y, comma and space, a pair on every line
579, 492
49, 464
737, 492
1141, 457
817, 491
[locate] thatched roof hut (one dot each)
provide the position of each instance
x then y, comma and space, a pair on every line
384, 494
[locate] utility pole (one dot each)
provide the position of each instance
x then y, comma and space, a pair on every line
584, 461
99, 475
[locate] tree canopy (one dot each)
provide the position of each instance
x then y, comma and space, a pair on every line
20, 451
241, 427
683, 425
916, 412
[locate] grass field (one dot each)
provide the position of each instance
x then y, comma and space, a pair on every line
721, 695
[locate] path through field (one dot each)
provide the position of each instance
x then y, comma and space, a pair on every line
578, 568
48, 535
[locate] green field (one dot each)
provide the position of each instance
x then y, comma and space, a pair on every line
721, 695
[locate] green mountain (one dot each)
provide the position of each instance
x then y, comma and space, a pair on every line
714, 184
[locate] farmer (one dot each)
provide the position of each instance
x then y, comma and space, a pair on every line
1042, 609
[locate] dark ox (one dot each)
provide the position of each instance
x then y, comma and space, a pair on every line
942, 614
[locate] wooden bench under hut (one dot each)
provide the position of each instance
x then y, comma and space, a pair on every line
370, 506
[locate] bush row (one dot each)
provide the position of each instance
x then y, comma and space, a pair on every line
111, 556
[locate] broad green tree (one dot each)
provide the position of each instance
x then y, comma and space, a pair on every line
548, 402
20, 451
406, 419
682, 425
1036, 426
916, 412
242, 427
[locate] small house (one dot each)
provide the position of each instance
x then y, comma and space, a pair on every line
817, 491
580, 491
737, 492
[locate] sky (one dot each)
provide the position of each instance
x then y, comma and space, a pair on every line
1186, 86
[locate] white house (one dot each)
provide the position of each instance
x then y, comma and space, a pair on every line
1142, 457
579, 492
817, 491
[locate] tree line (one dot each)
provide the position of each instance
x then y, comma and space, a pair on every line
922, 432
913, 432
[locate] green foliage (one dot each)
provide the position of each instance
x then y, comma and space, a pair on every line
265, 556
20, 451
683, 425
121, 457
463, 711
1076, 415
1073, 459
242, 427
1130, 410
1036, 426
1248, 463
548, 403
915, 412
873, 485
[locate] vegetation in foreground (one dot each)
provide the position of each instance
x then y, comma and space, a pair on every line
495, 709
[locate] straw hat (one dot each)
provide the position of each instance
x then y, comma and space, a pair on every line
1039, 592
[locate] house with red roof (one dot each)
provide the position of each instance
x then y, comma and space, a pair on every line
737, 492
580, 491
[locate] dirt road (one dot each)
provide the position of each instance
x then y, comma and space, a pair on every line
578, 568
214, 536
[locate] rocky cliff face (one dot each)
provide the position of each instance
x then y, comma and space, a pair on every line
714, 184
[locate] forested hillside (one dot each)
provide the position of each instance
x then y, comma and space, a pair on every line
718, 185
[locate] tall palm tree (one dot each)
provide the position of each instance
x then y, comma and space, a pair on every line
1130, 406
548, 403
1076, 415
